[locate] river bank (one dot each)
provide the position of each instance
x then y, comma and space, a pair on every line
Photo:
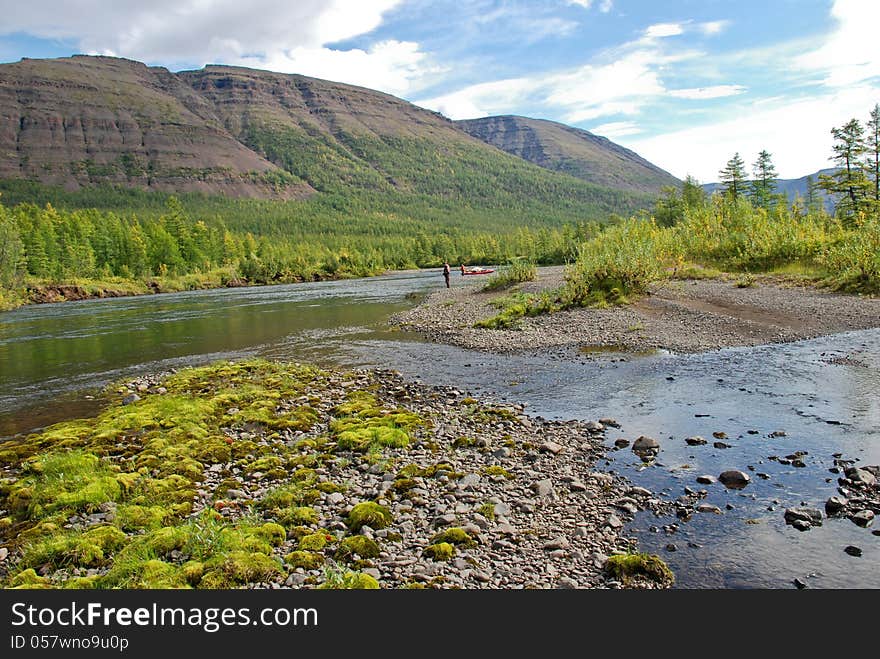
680, 316
261, 474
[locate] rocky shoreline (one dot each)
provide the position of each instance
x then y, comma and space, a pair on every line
680, 316
309, 478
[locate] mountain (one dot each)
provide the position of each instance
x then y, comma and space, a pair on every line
81, 121
792, 187
570, 150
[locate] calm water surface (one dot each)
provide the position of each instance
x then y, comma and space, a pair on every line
54, 359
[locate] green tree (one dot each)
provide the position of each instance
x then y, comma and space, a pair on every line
733, 176
692, 194
849, 182
11, 252
764, 183
872, 144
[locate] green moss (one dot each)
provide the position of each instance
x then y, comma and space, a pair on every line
297, 515
329, 488
272, 533
73, 548
192, 571
63, 480
487, 510
369, 513
463, 442
357, 545
349, 581
130, 517
238, 568
306, 560
313, 542
29, 579
496, 470
454, 536
403, 485
627, 566
442, 551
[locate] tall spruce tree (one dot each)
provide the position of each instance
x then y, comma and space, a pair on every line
733, 176
764, 184
849, 182
872, 144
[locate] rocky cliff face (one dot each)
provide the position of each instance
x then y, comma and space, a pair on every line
570, 150
83, 120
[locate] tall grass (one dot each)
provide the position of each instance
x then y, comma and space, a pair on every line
519, 271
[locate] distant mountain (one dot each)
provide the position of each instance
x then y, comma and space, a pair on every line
85, 120
792, 187
570, 150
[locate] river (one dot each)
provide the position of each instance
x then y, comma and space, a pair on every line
54, 360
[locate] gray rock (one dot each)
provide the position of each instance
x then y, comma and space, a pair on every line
777, 433
131, 398
236, 494
708, 508
811, 516
696, 440
863, 476
706, 479
566, 583
621, 443
734, 479
608, 421
502, 509
646, 444
560, 542
614, 522
863, 518
835, 505
469, 480
543, 488
852, 550
577, 486
801, 525
335, 498
373, 572
444, 520
551, 447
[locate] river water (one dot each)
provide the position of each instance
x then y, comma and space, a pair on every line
55, 358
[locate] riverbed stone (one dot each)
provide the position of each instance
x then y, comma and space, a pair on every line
863, 518
734, 479
706, 479
696, 440
835, 505
861, 476
646, 444
811, 516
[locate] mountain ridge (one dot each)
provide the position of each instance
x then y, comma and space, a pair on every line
567, 149
83, 121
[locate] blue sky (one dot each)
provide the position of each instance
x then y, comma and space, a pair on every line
684, 83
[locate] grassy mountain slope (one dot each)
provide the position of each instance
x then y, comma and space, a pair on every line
570, 150
83, 120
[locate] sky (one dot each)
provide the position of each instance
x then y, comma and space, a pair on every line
684, 83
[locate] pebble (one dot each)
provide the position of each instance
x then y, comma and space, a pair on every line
852, 550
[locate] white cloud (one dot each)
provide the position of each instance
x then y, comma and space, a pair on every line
660, 30
616, 129
605, 6
713, 27
482, 100
702, 93
270, 34
850, 53
797, 133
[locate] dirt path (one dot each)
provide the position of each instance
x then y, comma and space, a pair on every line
679, 316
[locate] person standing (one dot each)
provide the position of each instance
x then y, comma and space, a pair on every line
446, 272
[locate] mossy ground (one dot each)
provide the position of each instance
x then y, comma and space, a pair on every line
628, 567
144, 463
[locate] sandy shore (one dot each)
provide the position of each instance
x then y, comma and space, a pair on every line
682, 316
